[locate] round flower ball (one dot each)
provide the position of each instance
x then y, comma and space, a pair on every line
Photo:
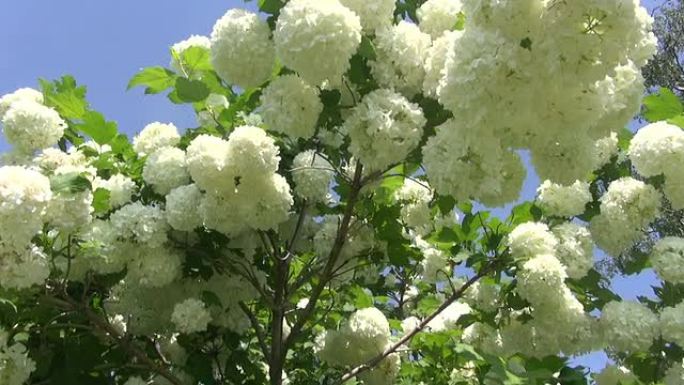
384, 128
316, 38
671, 326
437, 16
241, 49
657, 148
181, 207
30, 126
563, 201
312, 175
628, 326
191, 316
530, 239
21, 94
667, 259
291, 106
155, 136
165, 170
373, 14
207, 162
252, 152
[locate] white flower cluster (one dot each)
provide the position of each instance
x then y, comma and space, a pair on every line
15, 365
181, 207
373, 14
323, 32
563, 201
627, 207
667, 259
659, 149
238, 176
574, 249
448, 318
137, 223
435, 60
30, 126
155, 136
384, 128
438, 16
507, 56
291, 106
25, 94
531, 239
365, 335
400, 51
241, 49
628, 326
121, 189
165, 169
674, 375
312, 175
191, 316
458, 152
671, 327
414, 198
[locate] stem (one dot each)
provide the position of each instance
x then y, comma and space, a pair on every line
408, 336
258, 330
326, 274
278, 349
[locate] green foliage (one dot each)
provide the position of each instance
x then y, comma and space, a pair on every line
662, 106
70, 183
155, 79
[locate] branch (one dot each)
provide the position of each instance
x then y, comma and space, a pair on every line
332, 258
257, 329
408, 336
113, 333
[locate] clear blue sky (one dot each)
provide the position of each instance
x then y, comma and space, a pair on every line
103, 43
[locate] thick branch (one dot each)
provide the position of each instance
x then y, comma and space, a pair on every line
408, 336
326, 274
113, 333
258, 330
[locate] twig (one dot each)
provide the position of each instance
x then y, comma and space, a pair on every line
408, 336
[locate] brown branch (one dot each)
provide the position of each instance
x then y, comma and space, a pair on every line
258, 330
332, 258
113, 334
408, 336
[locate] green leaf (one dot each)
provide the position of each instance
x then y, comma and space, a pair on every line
69, 183
460, 21
526, 43
270, 6
677, 121
361, 298
196, 59
101, 198
367, 49
65, 96
156, 79
662, 106
191, 91
95, 126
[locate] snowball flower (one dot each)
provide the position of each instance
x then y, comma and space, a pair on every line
530, 239
563, 201
657, 148
31, 126
154, 266
435, 265
28, 94
182, 207
671, 326
155, 136
190, 316
165, 169
667, 259
384, 128
15, 364
367, 331
24, 197
674, 375
207, 163
373, 14
241, 49
400, 51
323, 32
252, 152
437, 16
121, 189
541, 280
628, 326
140, 224
448, 318
23, 268
291, 106
435, 61
312, 175
574, 249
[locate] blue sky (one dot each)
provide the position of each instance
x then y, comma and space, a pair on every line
103, 43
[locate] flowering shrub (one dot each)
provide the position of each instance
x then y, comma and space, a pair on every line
326, 221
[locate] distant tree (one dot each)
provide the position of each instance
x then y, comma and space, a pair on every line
667, 68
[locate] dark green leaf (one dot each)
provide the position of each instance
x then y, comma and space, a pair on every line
156, 79
526, 43
191, 91
367, 49
270, 6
